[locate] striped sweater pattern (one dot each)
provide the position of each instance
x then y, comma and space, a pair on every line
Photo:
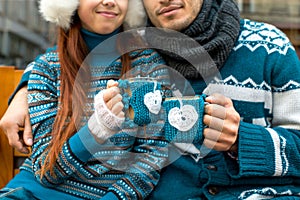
84, 168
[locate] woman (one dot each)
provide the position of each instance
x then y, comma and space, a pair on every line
80, 150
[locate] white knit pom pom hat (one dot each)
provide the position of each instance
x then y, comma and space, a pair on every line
61, 13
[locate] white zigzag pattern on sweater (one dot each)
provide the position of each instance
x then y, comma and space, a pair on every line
281, 161
264, 193
255, 35
289, 86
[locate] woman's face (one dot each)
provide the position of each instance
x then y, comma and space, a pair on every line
102, 16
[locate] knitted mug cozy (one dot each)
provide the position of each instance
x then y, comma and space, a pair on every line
144, 97
184, 121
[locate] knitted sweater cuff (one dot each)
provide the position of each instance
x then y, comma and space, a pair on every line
83, 144
99, 130
255, 152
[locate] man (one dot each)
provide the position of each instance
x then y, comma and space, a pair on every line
255, 152
252, 120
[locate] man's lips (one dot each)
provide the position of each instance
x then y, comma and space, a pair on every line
169, 9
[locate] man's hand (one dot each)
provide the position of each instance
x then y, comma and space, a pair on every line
222, 122
15, 118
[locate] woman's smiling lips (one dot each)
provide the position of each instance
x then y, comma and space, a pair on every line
108, 14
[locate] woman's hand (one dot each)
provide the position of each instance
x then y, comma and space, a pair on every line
109, 114
113, 99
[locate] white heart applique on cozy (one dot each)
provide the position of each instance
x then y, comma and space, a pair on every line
153, 100
183, 118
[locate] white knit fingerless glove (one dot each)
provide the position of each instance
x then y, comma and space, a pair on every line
103, 123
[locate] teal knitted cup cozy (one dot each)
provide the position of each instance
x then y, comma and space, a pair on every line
141, 112
187, 126
139, 90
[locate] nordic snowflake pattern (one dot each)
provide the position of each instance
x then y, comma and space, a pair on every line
256, 34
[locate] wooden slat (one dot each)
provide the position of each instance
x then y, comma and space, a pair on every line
18, 75
6, 152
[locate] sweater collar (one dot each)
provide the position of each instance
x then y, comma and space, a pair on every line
93, 39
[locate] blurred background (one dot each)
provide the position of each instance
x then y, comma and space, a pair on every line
24, 34
284, 14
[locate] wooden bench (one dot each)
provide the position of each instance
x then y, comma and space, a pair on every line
10, 158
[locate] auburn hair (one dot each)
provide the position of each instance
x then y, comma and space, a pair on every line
72, 51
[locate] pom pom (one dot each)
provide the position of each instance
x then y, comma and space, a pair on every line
59, 12
136, 15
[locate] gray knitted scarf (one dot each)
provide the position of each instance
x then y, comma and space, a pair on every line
216, 29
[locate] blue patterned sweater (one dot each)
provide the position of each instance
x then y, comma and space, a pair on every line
262, 77
127, 165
